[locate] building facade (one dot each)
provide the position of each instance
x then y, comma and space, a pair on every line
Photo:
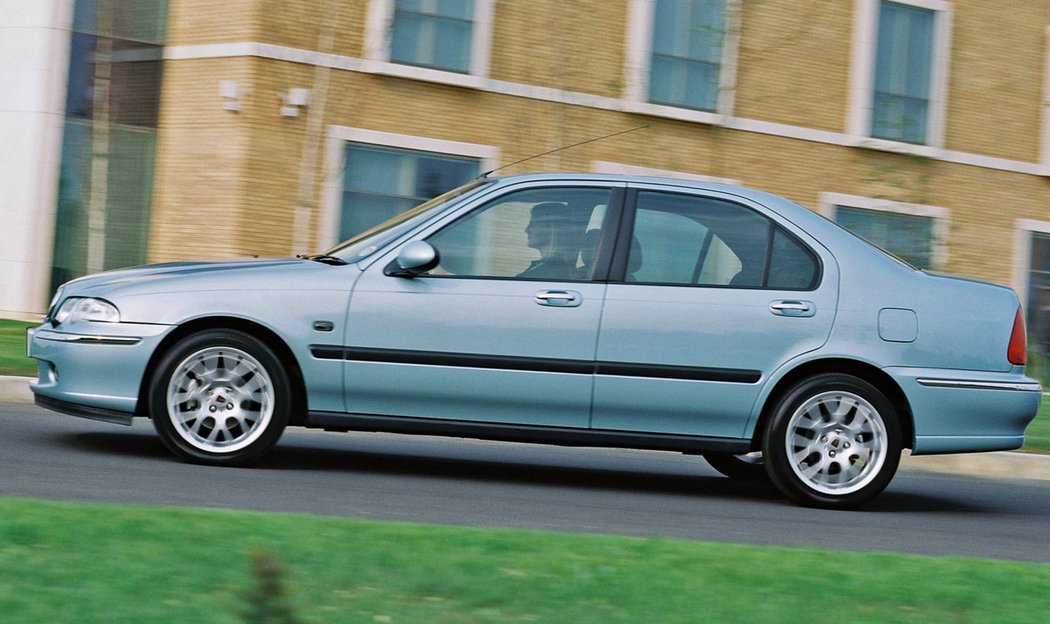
274, 127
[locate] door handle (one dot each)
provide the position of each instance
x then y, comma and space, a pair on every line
559, 298
793, 308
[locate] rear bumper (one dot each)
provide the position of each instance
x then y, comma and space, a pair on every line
968, 411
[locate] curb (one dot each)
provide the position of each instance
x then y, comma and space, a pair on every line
15, 390
1006, 465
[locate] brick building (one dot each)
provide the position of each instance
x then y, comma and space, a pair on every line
192, 129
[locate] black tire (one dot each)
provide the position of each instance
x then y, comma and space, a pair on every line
833, 441
220, 397
750, 467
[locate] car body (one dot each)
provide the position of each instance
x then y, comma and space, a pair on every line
573, 309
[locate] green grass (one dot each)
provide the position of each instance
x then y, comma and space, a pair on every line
63, 562
13, 360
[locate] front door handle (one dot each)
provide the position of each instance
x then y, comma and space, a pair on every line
559, 298
787, 307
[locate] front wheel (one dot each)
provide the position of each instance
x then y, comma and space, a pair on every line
220, 397
833, 441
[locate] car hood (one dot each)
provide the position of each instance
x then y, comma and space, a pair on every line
157, 277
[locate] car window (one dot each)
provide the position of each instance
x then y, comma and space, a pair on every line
543, 234
702, 241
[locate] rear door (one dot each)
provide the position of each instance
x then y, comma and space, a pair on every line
714, 295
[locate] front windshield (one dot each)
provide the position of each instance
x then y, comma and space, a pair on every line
368, 242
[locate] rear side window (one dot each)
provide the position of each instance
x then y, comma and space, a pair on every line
700, 241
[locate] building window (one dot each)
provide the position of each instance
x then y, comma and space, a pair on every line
903, 64
420, 36
900, 70
687, 53
433, 33
682, 53
1038, 304
381, 182
105, 187
909, 237
914, 233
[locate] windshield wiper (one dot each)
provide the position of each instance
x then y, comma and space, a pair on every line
323, 259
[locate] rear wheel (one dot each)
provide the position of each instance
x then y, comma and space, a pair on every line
220, 397
833, 441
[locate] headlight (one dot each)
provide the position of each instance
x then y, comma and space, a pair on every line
86, 309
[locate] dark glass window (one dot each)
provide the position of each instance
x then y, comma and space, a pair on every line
700, 241
108, 144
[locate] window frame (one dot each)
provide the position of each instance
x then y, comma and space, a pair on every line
862, 76
379, 26
638, 65
939, 216
620, 261
609, 229
327, 233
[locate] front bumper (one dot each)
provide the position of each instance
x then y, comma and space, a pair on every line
92, 368
958, 411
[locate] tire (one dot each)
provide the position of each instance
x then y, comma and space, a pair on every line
749, 467
833, 441
220, 397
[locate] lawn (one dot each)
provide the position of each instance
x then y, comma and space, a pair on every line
62, 562
13, 361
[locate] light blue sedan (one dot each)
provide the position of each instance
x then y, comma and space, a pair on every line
570, 309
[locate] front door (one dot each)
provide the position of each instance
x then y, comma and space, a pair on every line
504, 328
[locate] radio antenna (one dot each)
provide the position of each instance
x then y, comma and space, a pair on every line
601, 138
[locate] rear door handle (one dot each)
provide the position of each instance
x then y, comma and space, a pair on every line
559, 298
788, 307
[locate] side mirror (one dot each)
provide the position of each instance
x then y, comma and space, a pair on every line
414, 259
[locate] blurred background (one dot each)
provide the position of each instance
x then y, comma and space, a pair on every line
163, 130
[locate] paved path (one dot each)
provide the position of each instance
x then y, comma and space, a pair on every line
473, 483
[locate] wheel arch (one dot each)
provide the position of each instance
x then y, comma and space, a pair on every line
862, 370
256, 330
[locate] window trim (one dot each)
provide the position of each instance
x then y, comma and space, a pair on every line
335, 164
638, 61
379, 23
940, 216
862, 77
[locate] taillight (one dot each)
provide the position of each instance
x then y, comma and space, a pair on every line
1017, 352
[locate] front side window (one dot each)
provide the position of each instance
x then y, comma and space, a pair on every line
433, 33
700, 241
907, 236
903, 70
536, 234
688, 37
381, 182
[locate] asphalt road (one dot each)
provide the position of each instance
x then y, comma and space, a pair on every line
464, 482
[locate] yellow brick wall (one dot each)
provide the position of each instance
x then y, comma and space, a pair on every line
227, 183
794, 62
577, 45
995, 100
